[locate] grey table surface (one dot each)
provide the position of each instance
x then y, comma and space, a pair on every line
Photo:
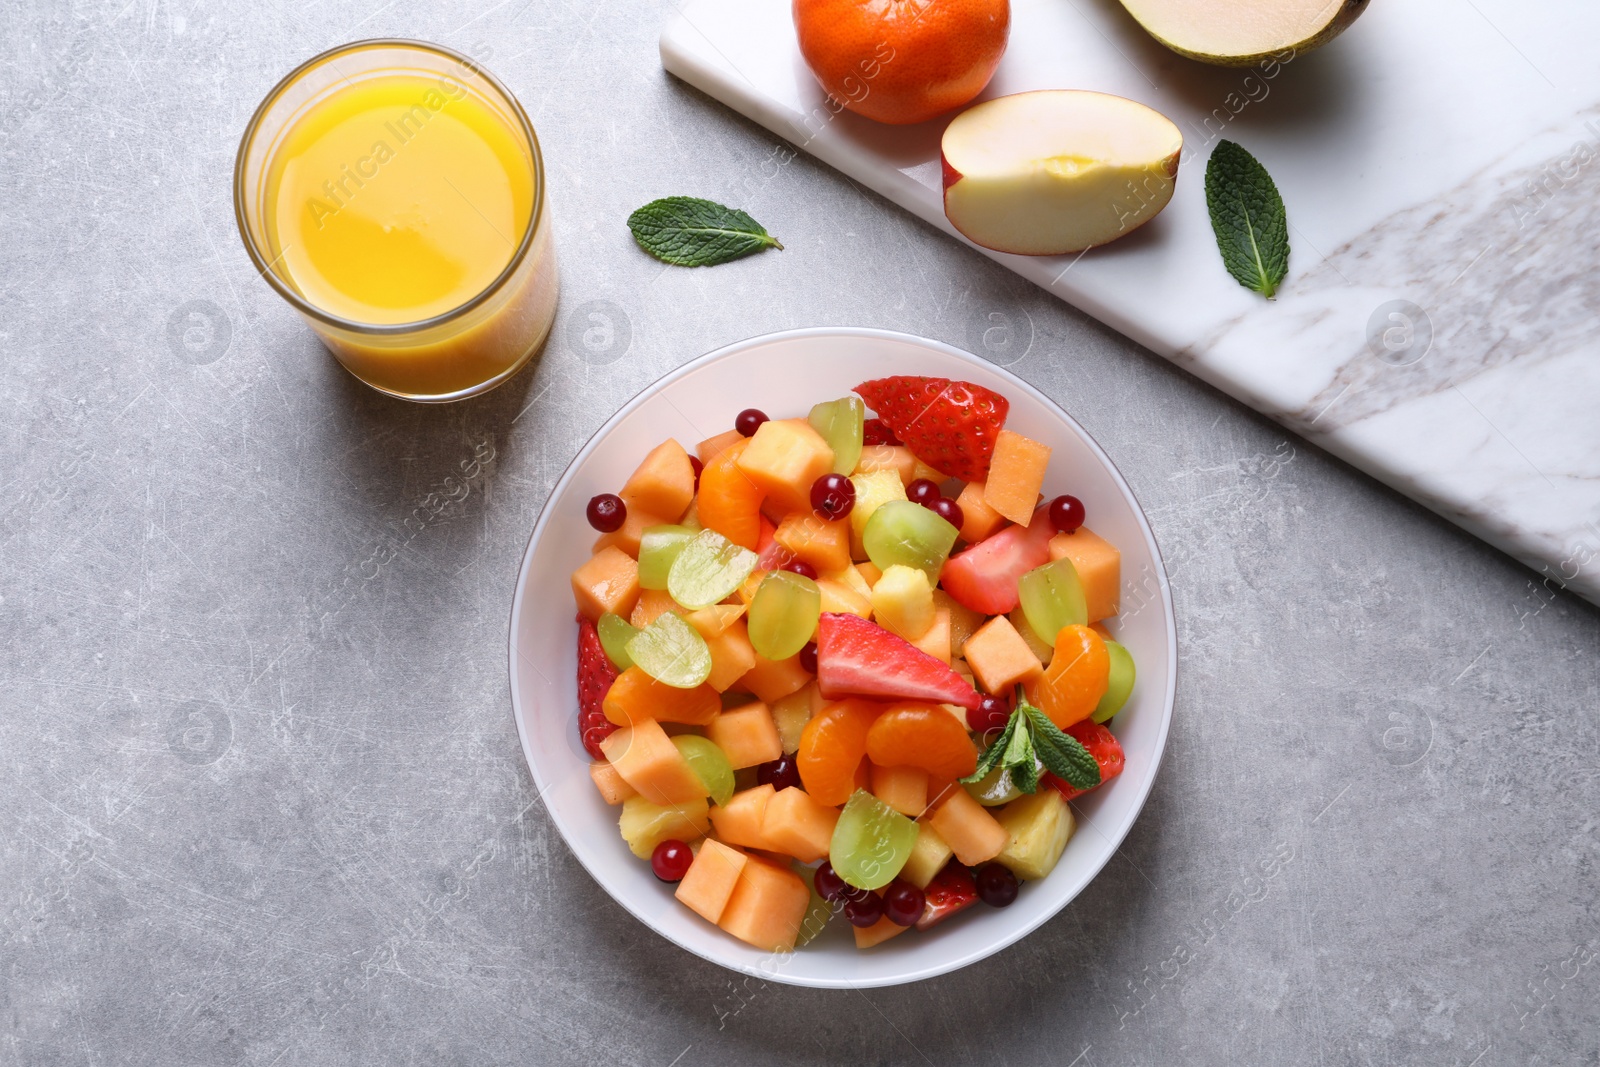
263, 800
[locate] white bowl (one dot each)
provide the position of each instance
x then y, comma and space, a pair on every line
784, 374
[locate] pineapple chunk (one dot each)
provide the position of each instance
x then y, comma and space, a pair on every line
963, 620
928, 857
902, 602
873, 489
1040, 826
645, 825
791, 713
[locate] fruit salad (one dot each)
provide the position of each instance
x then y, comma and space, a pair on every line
849, 664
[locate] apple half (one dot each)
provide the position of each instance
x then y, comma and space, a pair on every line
1057, 170
1242, 33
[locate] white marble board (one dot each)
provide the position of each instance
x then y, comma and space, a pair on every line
1439, 158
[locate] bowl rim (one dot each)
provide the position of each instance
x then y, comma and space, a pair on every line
1165, 595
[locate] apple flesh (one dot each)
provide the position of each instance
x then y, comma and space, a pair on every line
1057, 171
1242, 33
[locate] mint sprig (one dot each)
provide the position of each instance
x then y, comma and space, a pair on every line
1028, 735
1248, 218
690, 232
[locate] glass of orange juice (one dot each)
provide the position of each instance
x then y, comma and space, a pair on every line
393, 192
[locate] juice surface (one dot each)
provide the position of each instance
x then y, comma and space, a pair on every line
397, 198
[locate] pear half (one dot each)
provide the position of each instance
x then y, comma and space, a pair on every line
1057, 171
1242, 33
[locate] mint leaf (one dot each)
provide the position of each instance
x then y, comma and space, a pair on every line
691, 232
991, 755
1062, 754
1248, 218
1020, 764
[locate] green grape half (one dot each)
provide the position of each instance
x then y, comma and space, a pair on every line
658, 549
842, 424
708, 570
615, 633
1120, 684
908, 534
672, 652
709, 763
1052, 598
783, 615
871, 841
993, 789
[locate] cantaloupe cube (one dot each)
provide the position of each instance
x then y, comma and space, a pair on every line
978, 519
652, 604
796, 824
792, 713
1036, 644
612, 786
1099, 567
767, 907
772, 680
1000, 657
897, 458
902, 601
823, 544
713, 620
711, 878
972, 833
732, 655
928, 856
1039, 826
608, 582
905, 789
964, 622
738, 822
1016, 473
645, 825
707, 450
784, 458
851, 577
636, 697
663, 484
840, 598
747, 735
626, 536
647, 759
869, 573
877, 933
936, 642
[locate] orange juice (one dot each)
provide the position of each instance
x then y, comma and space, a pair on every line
397, 201
392, 191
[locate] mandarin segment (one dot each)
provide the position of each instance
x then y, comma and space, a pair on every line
1076, 679
921, 735
728, 501
832, 746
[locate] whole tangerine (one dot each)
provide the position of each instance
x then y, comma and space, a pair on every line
902, 61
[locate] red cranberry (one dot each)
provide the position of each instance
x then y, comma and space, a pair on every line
832, 496
922, 491
749, 421
992, 714
1066, 513
671, 860
697, 467
830, 886
808, 658
903, 903
780, 773
864, 909
948, 510
607, 512
802, 568
997, 886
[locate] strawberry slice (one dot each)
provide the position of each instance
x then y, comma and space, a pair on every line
874, 432
596, 672
860, 658
950, 426
1103, 746
770, 555
984, 577
950, 891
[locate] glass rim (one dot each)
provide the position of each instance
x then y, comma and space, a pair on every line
300, 303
